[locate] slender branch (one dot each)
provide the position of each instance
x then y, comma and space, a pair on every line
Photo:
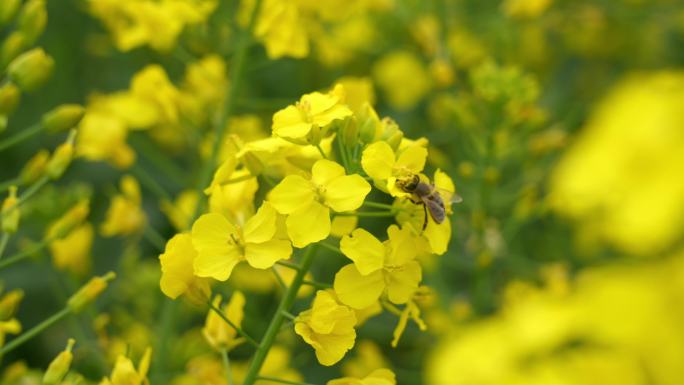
150, 182
153, 236
281, 381
21, 136
226, 365
317, 285
277, 320
28, 193
320, 150
24, 254
3, 242
377, 205
330, 247
288, 315
8, 183
289, 265
280, 280
241, 332
370, 214
35, 331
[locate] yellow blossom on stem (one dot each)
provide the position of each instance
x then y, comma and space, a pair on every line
177, 270
218, 333
377, 377
307, 202
221, 244
381, 163
378, 267
72, 253
328, 327
125, 215
125, 373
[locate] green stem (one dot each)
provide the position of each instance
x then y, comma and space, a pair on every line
21, 136
343, 154
273, 328
289, 316
229, 104
320, 150
3, 242
154, 238
24, 254
226, 365
241, 332
35, 331
150, 182
330, 247
317, 285
280, 280
8, 183
28, 193
377, 205
370, 214
289, 265
281, 381
151, 152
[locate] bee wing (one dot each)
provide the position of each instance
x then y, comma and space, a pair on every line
449, 196
436, 210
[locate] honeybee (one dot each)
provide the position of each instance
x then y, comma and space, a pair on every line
427, 194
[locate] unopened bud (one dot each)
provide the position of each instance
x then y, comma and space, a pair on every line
349, 132
63, 118
61, 158
31, 69
89, 292
9, 303
32, 20
10, 212
69, 221
8, 9
35, 167
60, 365
368, 122
9, 98
12, 46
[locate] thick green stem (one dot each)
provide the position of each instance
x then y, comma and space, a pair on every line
34, 331
21, 136
278, 317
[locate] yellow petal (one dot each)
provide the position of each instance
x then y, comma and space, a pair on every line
412, 159
216, 254
262, 226
403, 282
288, 123
339, 111
356, 290
346, 193
438, 235
378, 160
343, 225
291, 194
176, 265
367, 252
265, 255
324, 171
404, 245
309, 224
318, 102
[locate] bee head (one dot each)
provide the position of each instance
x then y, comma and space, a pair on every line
409, 184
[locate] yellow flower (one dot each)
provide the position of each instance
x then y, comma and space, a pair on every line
153, 85
328, 327
9, 212
378, 267
177, 270
216, 331
306, 120
380, 163
72, 252
125, 373
59, 366
279, 27
367, 358
10, 326
357, 92
221, 245
402, 78
125, 216
621, 177
69, 221
180, 211
525, 8
377, 377
308, 202
102, 137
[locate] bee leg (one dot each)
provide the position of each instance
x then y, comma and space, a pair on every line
425, 220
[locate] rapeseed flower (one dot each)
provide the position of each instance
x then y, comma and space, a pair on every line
177, 277
377, 377
307, 202
379, 267
125, 215
125, 373
328, 327
221, 244
385, 166
218, 333
72, 252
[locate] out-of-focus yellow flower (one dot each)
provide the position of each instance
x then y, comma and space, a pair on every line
89, 292
72, 253
378, 267
525, 8
368, 357
594, 335
305, 121
216, 331
134, 23
307, 202
10, 326
177, 263
125, 215
9, 213
59, 366
377, 377
31, 69
276, 364
103, 138
180, 211
221, 245
71, 219
380, 163
35, 167
125, 373
153, 85
279, 26
343, 225
402, 78
203, 370
328, 327
621, 179
466, 49
357, 91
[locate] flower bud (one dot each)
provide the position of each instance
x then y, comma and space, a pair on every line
9, 98
32, 20
349, 132
368, 123
12, 46
35, 167
61, 158
391, 133
69, 221
63, 118
10, 212
9, 303
89, 292
31, 69
8, 9
59, 366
